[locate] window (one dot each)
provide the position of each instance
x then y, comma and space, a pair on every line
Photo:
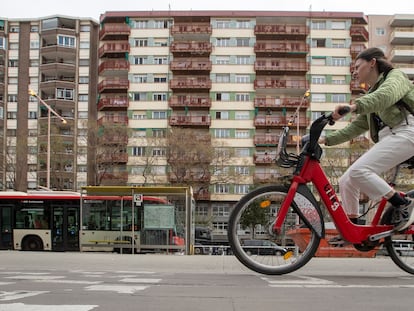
85, 28
84, 62
318, 79
13, 80
160, 79
2, 43
222, 60
161, 24
139, 96
221, 210
242, 170
32, 115
338, 43
84, 45
221, 188
34, 63
159, 115
243, 24
223, 78
160, 60
242, 115
221, 133
14, 29
64, 94
222, 115
66, 41
223, 24
139, 78
11, 115
338, 61
160, 133
140, 42
159, 97
318, 25
83, 79
83, 97
138, 151
242, 60
318, 98
316, 114
158, 152
140, 24
13, 63
222, 96
83, 115
318, 61
241, 189
242, 134
13, 46
242, 79
242, 152
140, 60
338, 80
138, 115
34, 28
12, 98
242, 97
223, 42
242, 42
380, 31
318, 43
339, 98
338, 25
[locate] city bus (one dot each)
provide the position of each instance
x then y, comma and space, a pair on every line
51, 220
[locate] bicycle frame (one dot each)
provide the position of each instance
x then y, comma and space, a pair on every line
312, 172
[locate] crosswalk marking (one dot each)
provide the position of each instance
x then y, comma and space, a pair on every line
35, 277
138, 280
69, 282
121, 289
7, 296
24, 307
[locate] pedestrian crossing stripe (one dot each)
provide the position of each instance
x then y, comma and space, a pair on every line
26, 307
120, 289
6, 296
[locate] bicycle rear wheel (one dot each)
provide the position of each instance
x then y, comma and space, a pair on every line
251, 237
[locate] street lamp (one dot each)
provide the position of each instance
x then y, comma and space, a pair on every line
49, 110
296, 116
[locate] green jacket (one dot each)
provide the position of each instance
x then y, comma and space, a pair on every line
381, 99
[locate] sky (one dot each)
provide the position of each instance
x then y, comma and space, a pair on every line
94, 8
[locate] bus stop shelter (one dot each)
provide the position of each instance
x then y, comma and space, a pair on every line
137, 193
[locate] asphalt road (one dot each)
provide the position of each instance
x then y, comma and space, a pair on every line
89, 281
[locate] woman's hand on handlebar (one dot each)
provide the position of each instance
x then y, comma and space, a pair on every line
341, 110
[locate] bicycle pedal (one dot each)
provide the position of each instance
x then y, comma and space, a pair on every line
381, 235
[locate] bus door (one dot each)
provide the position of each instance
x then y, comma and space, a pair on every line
65, 231
6, 232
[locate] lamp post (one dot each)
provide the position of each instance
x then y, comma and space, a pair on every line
49, 111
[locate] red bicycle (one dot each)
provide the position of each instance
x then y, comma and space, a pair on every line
277, 212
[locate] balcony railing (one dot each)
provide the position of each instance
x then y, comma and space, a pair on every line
201, 121
114, 65
271, 139
191, 65
113, 47
277, 83
111, 30
284, 66
359, 33
191, 28
191, 83
113, 85
294, 48
113, 158
275, 102
281, 29
189, 176
113, 103
189, 101
115, 178
192, 47
113, 120
272, 121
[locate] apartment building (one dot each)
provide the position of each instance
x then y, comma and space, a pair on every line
56, 58
235, 78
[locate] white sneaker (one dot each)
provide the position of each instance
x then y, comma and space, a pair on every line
403, 216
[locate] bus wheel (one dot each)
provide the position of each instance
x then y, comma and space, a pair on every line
32, 243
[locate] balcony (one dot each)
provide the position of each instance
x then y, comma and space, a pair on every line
190, 83
282, 66
202, 195
189, 101
189, 121
359, 33
113, 31
279, 83
271, 139
189, 177
357, 48
276, 102
282, 30
265, 177
192, 47
113, 158
282, 48
264, 158
358, 88
113, 85
110, 120
114, 48
113, 139
114, 67
113, 178
191, 29
277, 121
113, 103
191, 65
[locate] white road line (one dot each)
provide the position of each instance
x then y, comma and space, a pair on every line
35, 277
24, 307
342, 286
121, 289
139, 280
6, 283
6, 296
69, 282
303, 280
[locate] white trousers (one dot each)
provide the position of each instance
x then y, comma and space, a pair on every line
395, 146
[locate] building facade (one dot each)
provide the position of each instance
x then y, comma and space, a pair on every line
56, 58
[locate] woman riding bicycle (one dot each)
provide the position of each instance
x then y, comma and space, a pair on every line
385, 112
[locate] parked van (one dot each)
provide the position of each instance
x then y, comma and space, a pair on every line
263, 247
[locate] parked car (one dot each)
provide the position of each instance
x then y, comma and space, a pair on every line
263, 247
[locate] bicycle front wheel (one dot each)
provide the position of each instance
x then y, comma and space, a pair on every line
250, 230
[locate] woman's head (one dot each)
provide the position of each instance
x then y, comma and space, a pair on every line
369, 64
